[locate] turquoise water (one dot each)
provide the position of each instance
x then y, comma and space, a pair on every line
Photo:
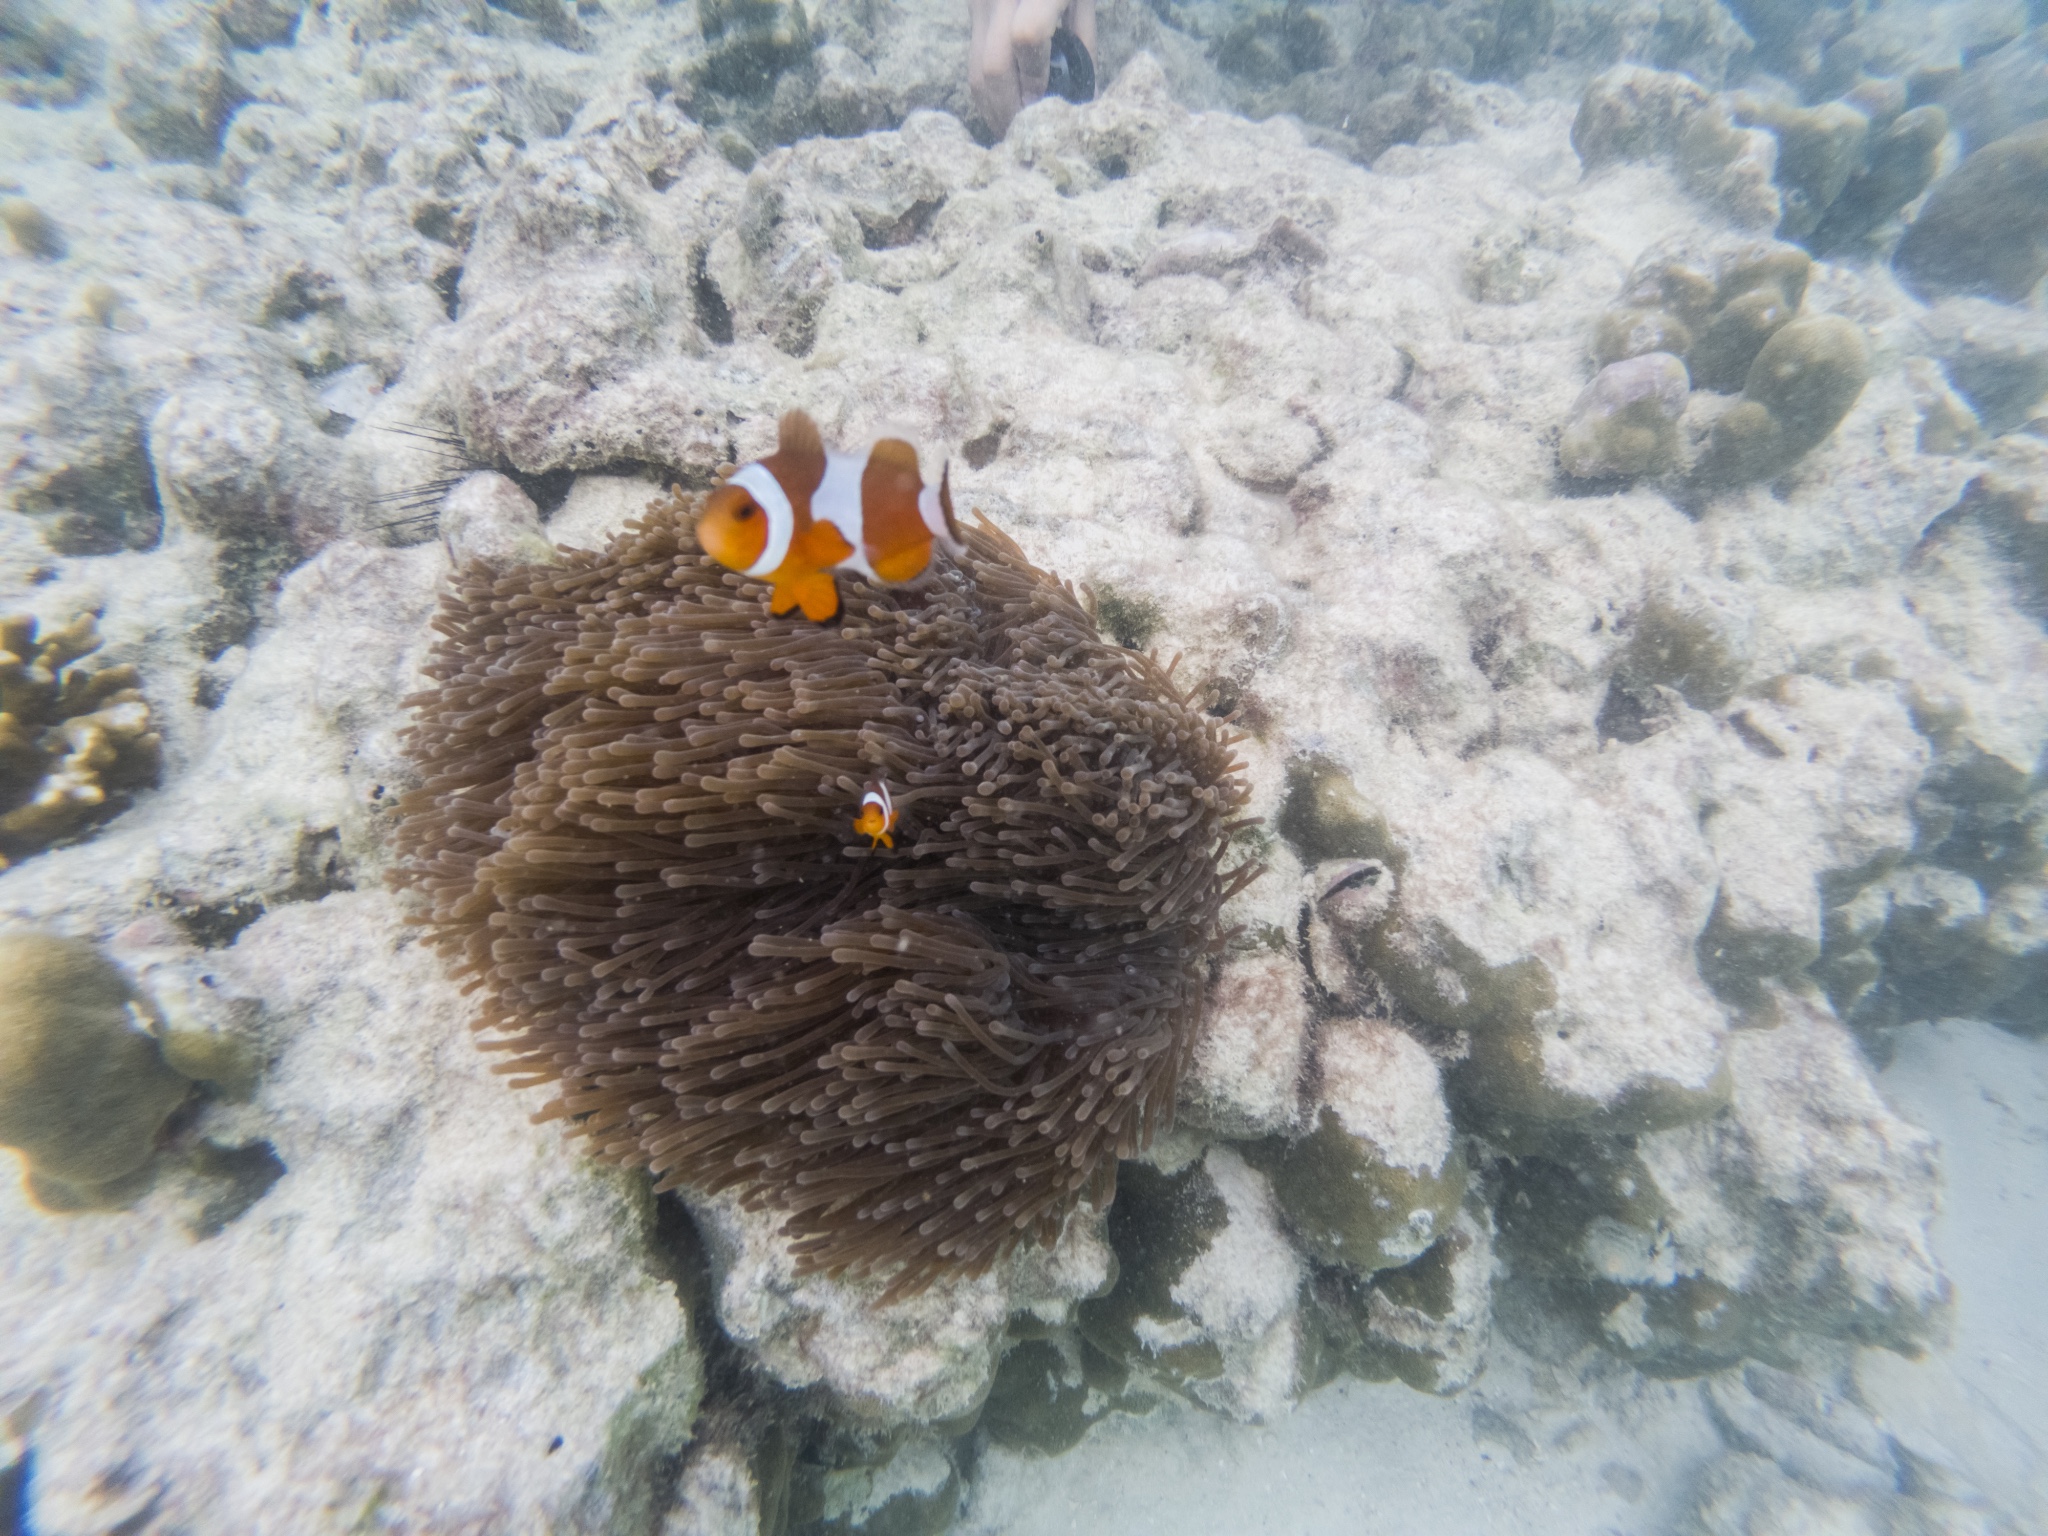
1468, 747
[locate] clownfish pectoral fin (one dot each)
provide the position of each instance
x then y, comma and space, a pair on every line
815, 592
823, 545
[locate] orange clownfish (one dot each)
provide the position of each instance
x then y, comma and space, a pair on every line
877, 816
805, 511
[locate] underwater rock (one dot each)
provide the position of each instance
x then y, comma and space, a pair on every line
75, 745
1051, 1390
44, 60
1995, 355
1244, 1077
1510, 263
2002, 91
1634, 113
1545, 1044
172, 85
1984, 227
1375, 1181
1424, 1323
752, 44
1625, 423
1207, 1294
488, 517
84, 1088
1819, 149
32, 230
1900, 162
1270, 47
1806, 1207
1803, 382
923, 1359
1712, 309
258, 23
75, 457
425, 1264
1693, 642
251, 473
915, 1492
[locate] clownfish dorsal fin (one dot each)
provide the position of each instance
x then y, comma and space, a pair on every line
797, 438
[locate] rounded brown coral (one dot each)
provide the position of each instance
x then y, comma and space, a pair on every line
635, 838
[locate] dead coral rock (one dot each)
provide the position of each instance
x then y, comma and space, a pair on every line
83, 1089
173, 89
1984, 228
73, 744
1379, 1177
636, 838
1634, 113
1807, 1206
1207, 1300
1425, 1323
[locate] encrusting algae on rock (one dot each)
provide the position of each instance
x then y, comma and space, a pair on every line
636, 838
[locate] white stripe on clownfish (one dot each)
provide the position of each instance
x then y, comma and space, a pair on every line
837, 501
758, 481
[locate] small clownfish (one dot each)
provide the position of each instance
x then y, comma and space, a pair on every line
805, 511
877, 816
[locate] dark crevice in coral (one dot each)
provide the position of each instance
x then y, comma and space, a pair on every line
300, 293
549, 488
714, 316
246, 1173
906, 227
448, 284
319, 869
217, 924
980, 452
14, 1486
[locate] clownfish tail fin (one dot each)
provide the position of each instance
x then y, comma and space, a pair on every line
936, 508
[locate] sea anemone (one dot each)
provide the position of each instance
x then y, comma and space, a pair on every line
635, 839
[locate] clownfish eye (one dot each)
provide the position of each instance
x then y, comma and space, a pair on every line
745, 510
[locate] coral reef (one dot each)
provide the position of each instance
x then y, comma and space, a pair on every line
1618, 827
1984, 229
1726, 319
84, 1087
921, 1059
74, 744
1803, 382
1625, 423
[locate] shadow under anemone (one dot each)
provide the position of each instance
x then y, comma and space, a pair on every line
635, 839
